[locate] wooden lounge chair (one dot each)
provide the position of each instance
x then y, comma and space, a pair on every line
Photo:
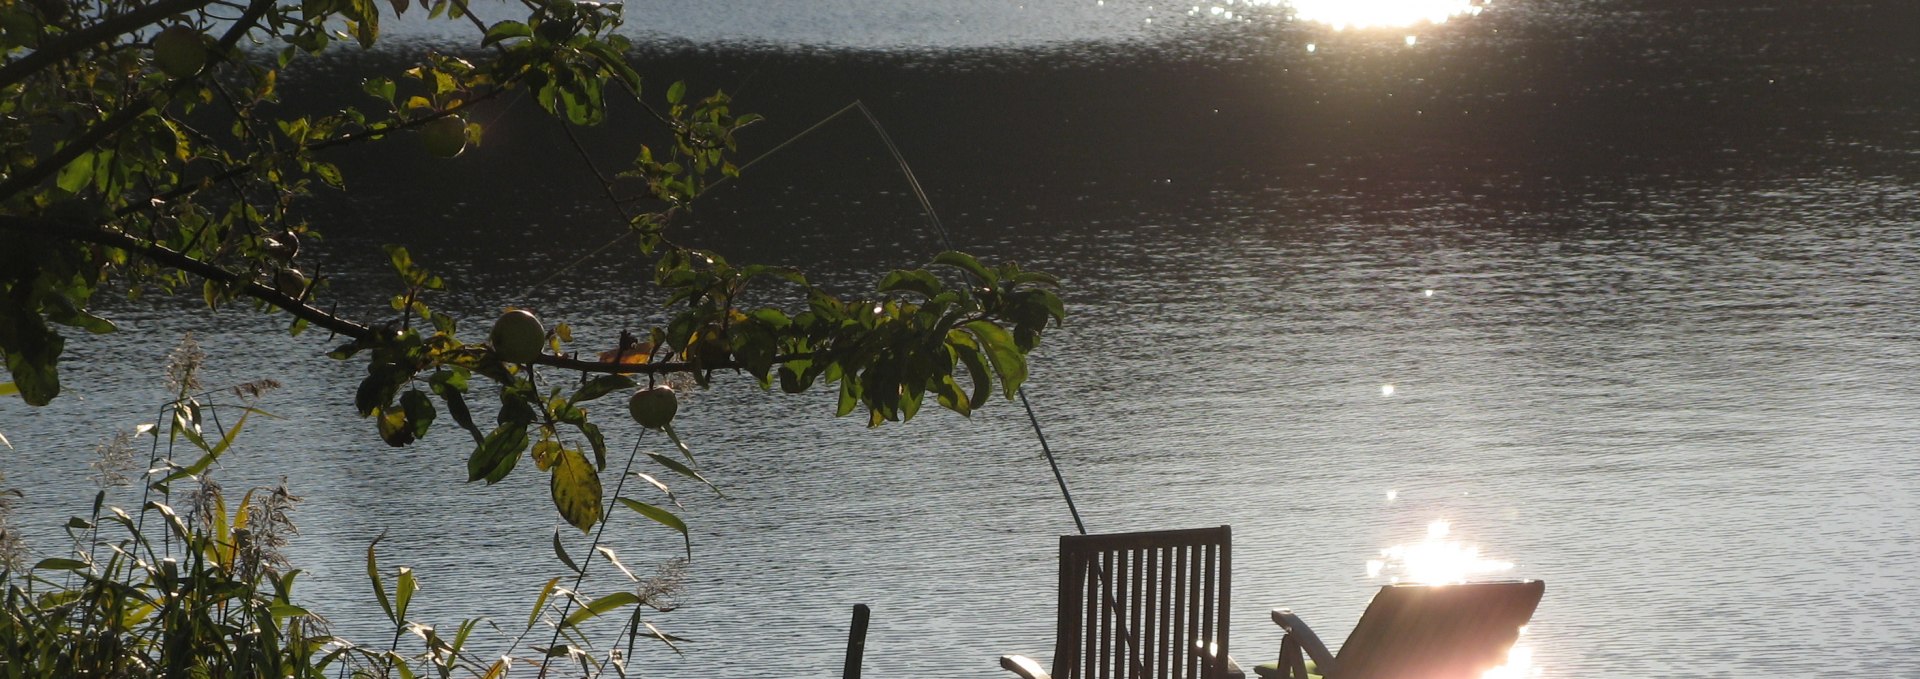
1148, 605
1414, 632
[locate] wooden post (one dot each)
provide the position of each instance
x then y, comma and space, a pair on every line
856, 642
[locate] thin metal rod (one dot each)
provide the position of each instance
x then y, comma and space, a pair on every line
933, 218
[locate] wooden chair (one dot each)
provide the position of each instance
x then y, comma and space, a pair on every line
1148, 605
1454, 631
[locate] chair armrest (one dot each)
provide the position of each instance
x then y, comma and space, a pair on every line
1310, 642
1023, 666
1234, 671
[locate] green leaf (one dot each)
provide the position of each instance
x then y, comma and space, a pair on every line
656, 483
505, 30
599, 443
601, 606
546, 453
66, 312
457, 408
281, 610
601, 386
968, 350
576, 490
379, 587
560, 550
545, 592
515, 408
612, 558
665, 638
213, 451
8, 389
915, 280
404, 587
419, 410
967, 263
77, 174
376, 391
497, 454
57, 564
676, 92
683, 470
682, 445
950, 396
366, 22
662, 517
379, 87
849, 396
392, 425
403, 265
226, 440
1008, 363
32, 350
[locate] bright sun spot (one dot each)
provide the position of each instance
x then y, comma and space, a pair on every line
1435, 560
1345, 14
1440, 561
1519, 662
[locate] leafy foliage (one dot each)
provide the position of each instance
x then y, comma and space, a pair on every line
199, 588
132, 164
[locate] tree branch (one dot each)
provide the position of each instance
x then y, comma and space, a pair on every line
120, 119
647, 368
183, 262
308, 312
369, 134
67, 45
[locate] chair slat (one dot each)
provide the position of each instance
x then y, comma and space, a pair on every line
1150, 605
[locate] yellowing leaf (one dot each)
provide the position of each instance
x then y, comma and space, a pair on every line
546, 453
637, 355
576, 490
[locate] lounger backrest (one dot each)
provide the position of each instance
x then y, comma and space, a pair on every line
1437, 631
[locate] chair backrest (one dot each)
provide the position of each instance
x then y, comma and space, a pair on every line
1454, 631
1148, 605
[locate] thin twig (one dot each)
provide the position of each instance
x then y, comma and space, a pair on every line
69, 44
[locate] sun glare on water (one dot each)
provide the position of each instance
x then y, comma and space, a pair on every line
1438, 560
1519, 662
1434, 561
1345, 14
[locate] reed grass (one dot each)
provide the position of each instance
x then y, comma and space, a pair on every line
204, 590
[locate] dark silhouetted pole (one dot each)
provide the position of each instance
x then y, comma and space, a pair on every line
856, 642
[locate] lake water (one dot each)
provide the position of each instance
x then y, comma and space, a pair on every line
1668, 363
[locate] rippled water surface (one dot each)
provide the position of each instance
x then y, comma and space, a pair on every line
1667, 364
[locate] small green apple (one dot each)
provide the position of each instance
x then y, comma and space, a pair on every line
179, 51
444, 137
290, 282
518, 336
654, 407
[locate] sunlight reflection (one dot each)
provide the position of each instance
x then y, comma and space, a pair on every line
1345, 14
1434, 561
1440, 561
1519, 662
